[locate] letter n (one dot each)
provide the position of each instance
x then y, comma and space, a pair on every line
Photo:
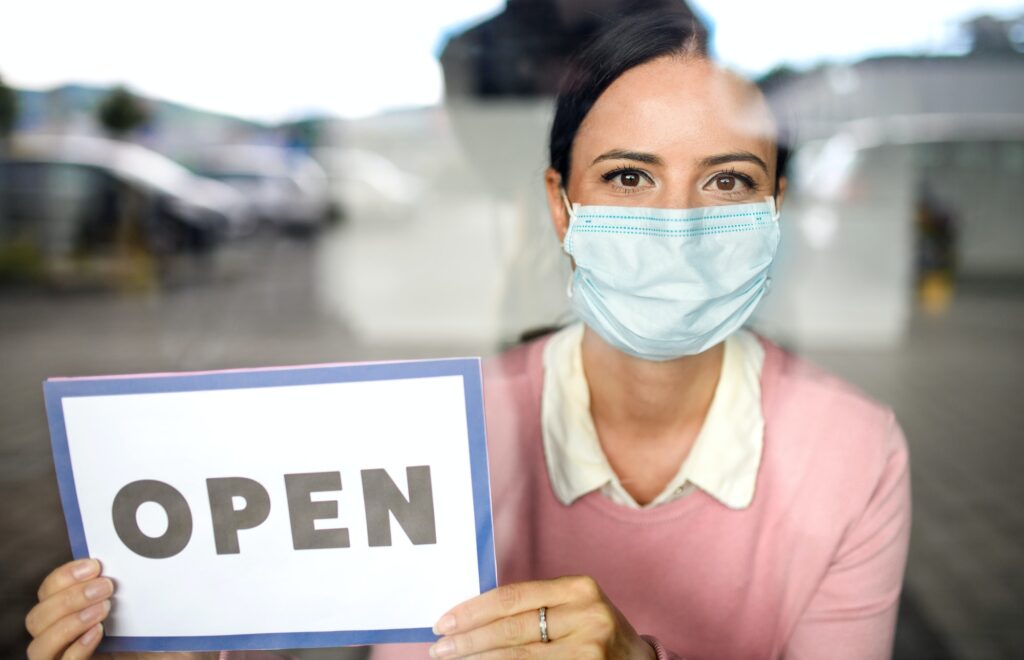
416, 515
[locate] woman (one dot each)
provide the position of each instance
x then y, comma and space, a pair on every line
665, 484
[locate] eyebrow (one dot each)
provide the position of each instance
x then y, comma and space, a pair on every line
710, 161
742, 156
623, 154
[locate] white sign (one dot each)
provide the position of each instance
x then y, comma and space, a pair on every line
278, 508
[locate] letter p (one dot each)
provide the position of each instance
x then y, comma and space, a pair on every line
227, 520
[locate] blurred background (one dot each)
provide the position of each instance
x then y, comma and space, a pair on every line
198, 185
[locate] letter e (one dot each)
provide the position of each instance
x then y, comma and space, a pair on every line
303, 512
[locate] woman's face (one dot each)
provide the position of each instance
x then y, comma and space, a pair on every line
677, 132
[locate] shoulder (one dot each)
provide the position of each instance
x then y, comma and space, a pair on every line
513, 384
822, 430
796, 391
517, 372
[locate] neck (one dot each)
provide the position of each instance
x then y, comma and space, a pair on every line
650, 399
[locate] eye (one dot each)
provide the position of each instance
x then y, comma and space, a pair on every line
630, 179
725, 182
731, 184
627, 179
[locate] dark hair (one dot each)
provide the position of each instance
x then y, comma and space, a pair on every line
629, 42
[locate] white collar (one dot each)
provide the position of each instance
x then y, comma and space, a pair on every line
724, 458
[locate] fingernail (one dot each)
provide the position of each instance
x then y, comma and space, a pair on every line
84, 568
445, 625
442, 649
94, 612
90, 636
98, 590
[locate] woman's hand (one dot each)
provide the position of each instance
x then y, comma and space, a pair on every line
505, 623
67, 622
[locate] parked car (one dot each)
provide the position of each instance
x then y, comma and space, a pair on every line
283, 187
83, 206
370, 184
203, 205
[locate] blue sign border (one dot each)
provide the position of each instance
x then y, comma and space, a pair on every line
55, 390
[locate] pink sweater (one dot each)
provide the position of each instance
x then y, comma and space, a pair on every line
811, 569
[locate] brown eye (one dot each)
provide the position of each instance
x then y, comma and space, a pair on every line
730, 185
630, 179
725, 182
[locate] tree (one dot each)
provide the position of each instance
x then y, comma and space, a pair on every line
8, 111
120, 112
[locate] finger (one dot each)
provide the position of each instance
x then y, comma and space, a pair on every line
73, 599
509, 632
84, 646
515, 598
536, 650
53, 641
66, 575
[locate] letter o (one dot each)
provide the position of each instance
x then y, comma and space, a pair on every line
126, 524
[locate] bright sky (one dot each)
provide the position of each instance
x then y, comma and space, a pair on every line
284, 59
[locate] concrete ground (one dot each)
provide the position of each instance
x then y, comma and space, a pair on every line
955, 387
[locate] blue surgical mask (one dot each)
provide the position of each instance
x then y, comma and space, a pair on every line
659, 284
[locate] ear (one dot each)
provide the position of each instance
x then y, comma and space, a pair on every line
559, 216
780, 194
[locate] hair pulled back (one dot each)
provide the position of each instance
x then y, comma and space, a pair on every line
629, 42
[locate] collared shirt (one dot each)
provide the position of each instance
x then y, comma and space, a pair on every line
724, 458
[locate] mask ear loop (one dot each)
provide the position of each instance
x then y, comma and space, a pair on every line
568, 206
773, 206
572, 216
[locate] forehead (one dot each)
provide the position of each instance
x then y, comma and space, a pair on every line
680, 108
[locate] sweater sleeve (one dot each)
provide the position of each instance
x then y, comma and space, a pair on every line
853, 612
660, 651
